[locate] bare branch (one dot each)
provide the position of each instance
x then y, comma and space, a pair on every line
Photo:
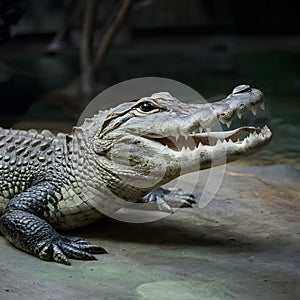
86, 49
110, 33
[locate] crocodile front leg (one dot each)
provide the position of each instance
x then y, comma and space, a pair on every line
24, 225
166, 199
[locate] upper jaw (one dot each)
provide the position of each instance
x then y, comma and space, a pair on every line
242, 99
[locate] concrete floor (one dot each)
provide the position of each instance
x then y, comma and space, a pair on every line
245, 244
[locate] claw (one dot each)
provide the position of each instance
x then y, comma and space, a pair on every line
59, 256
164, 206
191, 199
83, 245
185, 203
74, 253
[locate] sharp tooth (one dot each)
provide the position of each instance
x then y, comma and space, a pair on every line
254, 110
230, 141
200, 129
262, 105
228, 123
208, 129
239, 114
199, 145
219, 142
184, 149
177, 138
186, 137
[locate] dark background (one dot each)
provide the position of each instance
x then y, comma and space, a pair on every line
211, 46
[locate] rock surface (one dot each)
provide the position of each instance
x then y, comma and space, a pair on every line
244, 244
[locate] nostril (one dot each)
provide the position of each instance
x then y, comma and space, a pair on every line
241, 89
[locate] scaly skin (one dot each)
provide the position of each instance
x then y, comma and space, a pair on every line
67, 181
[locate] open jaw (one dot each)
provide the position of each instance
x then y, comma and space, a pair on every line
241, 137
245, 139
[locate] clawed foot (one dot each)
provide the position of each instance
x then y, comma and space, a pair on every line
34, 235
166, 199
61, 248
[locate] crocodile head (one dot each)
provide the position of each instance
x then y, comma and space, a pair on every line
152, 140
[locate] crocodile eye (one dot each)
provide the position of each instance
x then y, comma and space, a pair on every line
146, 107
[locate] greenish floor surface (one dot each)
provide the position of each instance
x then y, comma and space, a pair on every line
244, 244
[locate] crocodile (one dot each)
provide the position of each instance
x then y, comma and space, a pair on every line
51, 183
